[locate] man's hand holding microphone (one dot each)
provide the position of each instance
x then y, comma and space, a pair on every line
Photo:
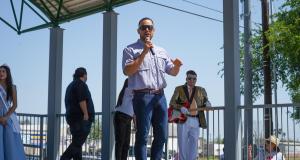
148, 45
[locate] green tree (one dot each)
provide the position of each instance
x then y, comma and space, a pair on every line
257, 63
284, 35
96, 131
284, 43
219, 140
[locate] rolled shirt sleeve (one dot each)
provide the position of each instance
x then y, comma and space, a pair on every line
127, 57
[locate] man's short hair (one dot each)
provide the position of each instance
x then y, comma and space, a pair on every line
145, 18
191, 72
79, 72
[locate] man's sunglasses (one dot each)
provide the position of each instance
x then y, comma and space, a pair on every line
144, 27
190, 78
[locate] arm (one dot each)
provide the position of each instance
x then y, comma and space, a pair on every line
175, 70
82, 94
134, 122
14, 102
132, 67
83, 107
121, 95
12, 108
174, 99
206, 102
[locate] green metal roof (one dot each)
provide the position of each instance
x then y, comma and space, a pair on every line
55, 12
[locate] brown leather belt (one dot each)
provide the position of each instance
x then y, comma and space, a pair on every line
192, 115
149, 91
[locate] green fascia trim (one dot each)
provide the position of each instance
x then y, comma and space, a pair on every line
67, 18
81, 14
122, 3
64, 19
91, 11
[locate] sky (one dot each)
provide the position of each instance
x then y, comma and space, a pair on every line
195, 40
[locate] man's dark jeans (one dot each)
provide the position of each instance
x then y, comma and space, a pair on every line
122, 123
150, 108
80, 131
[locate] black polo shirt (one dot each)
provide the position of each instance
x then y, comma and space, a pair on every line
76, 92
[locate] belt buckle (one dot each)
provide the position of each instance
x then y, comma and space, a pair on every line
157, 91
192, 115
150, 91
154, 91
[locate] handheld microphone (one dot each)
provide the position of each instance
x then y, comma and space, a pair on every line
151, 50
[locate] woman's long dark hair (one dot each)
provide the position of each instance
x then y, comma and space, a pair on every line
8, 82
121, 94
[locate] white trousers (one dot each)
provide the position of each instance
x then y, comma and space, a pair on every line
188, 135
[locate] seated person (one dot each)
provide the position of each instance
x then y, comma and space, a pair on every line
272, 151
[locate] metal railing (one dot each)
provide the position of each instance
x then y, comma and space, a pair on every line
284, 124
34, 135
91, 149
211, 140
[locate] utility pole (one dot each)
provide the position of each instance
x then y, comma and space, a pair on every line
267, 69
248, 114
274, 73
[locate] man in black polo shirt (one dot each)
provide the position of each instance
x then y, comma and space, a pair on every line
80, 113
